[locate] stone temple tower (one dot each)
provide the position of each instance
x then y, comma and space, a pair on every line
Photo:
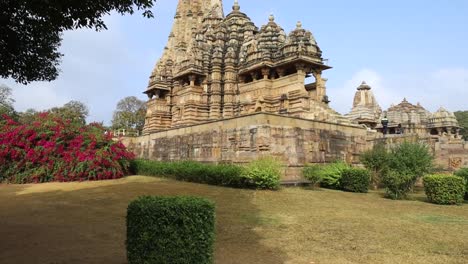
219, 67
366, 109
190, 17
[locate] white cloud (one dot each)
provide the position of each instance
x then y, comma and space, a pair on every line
36, 96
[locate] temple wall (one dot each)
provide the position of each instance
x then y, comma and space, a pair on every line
268, 87
450, 154
239, 140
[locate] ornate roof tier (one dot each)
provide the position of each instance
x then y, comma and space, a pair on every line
443, 119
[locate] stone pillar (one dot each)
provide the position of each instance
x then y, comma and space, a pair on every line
254, 75
215, 100
320, 85
192, 79
229, 88
266, 73
280, 72
300, 68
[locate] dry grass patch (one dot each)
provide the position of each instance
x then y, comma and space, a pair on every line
85, 223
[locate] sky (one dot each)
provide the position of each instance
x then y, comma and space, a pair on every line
415, 49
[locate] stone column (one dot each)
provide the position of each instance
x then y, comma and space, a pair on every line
254, 75
192, 79
229, 88
280, 72
266, 73
215, 100
320, 85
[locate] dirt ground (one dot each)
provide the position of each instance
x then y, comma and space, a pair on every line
85, 223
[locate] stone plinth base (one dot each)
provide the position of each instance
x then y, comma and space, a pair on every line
239, 140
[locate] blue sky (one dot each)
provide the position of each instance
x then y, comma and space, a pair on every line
415, 49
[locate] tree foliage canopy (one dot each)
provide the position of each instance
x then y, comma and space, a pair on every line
30, 32
129, 114
74, 111
462, 117
6, 101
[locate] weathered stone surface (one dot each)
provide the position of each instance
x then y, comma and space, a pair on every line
295, 141
217, 66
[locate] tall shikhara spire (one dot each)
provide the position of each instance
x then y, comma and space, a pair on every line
191, 15
218, 67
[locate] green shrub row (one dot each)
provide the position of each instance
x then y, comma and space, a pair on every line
444, 189
464, 174
264, 173
170, 230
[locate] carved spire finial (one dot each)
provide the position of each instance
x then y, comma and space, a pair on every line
236, 6
271, 18
299, 25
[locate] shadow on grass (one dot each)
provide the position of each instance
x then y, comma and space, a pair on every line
87, 225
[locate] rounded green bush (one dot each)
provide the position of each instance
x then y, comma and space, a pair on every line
170, 230
398, 184
312, 174
264, 173
402, 167
355, 180
444, 189
331, 174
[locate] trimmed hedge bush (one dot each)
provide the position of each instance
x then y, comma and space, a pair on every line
312, 174
355, 180
170, 230
264, 173
444, 189
464, 174
331, 174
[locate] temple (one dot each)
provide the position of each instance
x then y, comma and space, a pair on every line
227, 91
217, 67
404, 118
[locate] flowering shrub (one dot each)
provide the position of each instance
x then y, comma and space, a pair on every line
53, 149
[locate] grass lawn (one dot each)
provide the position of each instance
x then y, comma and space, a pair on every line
85, 223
